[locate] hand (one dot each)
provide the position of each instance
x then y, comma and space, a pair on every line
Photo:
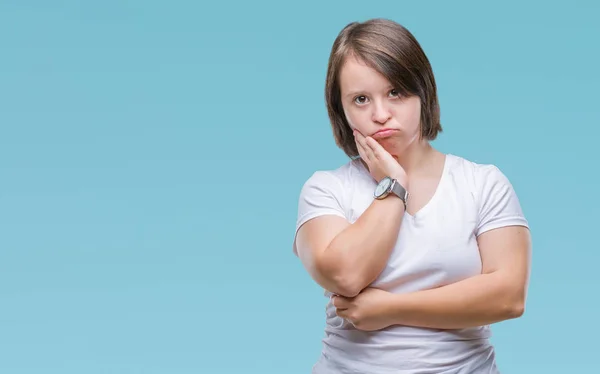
369, 310
379, 161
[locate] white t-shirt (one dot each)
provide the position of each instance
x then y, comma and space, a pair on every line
437, 246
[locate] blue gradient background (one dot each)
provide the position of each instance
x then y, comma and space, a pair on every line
151, 156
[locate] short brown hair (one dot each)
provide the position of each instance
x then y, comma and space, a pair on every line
393, 51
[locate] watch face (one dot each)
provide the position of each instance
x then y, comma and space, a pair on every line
383, 186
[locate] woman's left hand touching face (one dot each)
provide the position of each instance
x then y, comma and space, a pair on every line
370, 310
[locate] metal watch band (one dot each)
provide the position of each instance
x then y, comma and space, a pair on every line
399, 191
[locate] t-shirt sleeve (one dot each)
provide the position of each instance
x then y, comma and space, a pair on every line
499, 205
322, 194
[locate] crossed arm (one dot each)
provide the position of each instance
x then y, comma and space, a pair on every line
345, 258
497, 294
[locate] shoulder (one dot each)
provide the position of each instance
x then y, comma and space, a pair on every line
476, 172
334, 179
328, 190
482, 180
496, 198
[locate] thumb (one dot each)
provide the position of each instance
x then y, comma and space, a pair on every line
338, 301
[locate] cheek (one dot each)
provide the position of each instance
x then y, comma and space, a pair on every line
416, 113
409, 116
414, 121
350, 118
357, 120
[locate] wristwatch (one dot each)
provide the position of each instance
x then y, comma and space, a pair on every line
388, 185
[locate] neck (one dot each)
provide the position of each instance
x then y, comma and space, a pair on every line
416, 156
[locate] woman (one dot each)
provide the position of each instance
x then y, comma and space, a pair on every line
418, 251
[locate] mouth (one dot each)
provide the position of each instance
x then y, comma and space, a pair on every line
384, 133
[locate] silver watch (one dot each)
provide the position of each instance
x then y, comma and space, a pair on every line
388, 185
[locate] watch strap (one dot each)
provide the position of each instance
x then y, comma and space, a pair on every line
399, 191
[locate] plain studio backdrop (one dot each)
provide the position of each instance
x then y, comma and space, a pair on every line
152, 153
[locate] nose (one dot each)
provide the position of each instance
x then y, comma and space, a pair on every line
381, 114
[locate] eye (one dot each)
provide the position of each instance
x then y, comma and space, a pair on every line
394, 92
360, 99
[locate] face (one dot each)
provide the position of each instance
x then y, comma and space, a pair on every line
374, 108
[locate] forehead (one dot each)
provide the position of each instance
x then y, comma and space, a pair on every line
356, 75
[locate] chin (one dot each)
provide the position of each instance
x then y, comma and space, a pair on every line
393, 145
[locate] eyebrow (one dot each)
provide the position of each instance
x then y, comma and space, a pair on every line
353, 93
357, 92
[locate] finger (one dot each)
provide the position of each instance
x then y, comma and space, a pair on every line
335, 300
362, 151
374, 147
360, 138
342, 313
341, 302
362, 145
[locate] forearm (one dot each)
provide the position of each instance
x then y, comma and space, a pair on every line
476, 301
357, 255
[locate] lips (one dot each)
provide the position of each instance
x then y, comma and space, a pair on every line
384, 133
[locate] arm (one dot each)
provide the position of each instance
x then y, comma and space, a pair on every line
497, 294
345, 258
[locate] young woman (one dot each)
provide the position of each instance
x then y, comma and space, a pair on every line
418, 251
